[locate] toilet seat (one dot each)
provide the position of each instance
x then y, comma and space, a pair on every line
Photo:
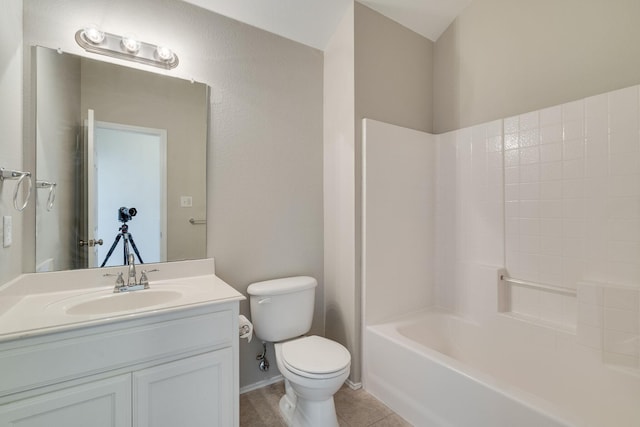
315, 357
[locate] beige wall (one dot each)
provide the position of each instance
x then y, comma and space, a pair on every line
393, 72
264, 184
11, 125
393, 83
341, 303
365, 75
58, 125
505, 57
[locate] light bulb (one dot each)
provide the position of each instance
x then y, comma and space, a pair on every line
130, 43
164, 53
93, 34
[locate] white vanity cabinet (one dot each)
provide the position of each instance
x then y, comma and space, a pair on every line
172, 368
203, 399
101, 403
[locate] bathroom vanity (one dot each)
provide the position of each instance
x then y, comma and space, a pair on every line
80, 355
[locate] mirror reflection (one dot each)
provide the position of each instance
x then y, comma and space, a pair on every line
120, 164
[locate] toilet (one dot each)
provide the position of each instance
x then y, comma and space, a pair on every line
314, 368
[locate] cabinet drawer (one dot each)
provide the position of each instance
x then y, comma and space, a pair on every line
119, 345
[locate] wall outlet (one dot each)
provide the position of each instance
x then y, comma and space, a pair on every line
186, 201
7, 227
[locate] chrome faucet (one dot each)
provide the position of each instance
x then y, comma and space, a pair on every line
131, 278
132, 283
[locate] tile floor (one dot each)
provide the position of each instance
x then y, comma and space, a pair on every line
355, 408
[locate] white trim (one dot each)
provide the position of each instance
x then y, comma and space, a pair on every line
261, 384
278, 378
352, 385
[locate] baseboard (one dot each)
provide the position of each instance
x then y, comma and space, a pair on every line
261, 384
352, 385
278, 378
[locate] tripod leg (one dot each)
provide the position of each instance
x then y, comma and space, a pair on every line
125, 249
135, 248
113, 246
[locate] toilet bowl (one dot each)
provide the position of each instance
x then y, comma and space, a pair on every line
314, 368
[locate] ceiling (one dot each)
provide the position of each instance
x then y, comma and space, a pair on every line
312, 22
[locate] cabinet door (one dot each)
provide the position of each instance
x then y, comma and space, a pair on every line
195, 392
103, 403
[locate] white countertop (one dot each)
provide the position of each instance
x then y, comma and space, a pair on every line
38, 303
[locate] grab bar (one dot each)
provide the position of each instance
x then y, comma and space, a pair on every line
20, 176
551, 288
197, 221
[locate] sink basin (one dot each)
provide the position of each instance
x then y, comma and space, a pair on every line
125, 301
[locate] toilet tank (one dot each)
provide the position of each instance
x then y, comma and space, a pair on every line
282, 308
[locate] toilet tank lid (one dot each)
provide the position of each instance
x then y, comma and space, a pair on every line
282, 286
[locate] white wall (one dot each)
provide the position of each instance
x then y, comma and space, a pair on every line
11, 125
398, 220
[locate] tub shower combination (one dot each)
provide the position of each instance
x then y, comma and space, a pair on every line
448, 338
437, 369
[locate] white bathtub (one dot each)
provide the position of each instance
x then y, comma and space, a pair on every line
436, 369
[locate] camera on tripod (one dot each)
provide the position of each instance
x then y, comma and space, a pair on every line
125, 214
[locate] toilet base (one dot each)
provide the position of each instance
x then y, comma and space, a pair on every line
286, 409
308, 413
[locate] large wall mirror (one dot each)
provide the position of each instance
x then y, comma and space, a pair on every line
120, 160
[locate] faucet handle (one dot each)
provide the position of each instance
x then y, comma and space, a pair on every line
143, 277
119, 282
144, 280
119, 279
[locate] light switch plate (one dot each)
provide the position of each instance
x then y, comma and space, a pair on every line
186, 201
7, 227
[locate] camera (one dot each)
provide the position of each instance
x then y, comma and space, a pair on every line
125, 214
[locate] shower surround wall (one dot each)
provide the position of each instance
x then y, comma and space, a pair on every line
572, 205
552, 196
398, 228
469, 217
571, 218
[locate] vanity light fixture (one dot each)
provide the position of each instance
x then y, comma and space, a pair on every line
164, 54
128, 47
93, 34
130, 43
